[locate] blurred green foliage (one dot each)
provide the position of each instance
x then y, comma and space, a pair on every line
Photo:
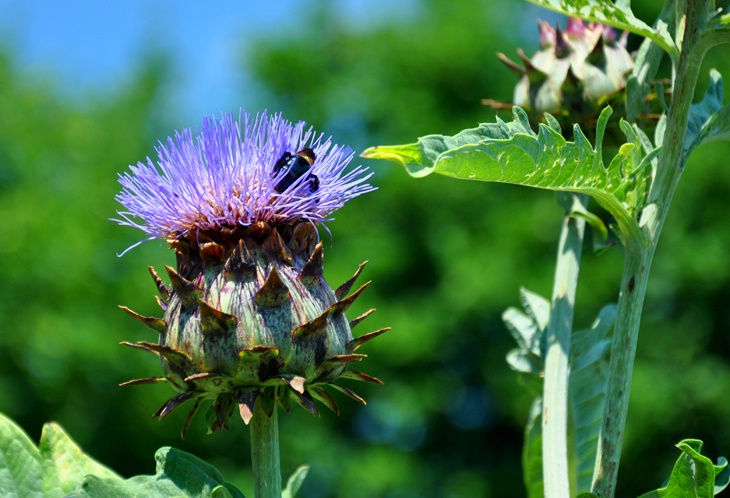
446, 257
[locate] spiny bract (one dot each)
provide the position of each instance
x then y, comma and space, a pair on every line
248, 316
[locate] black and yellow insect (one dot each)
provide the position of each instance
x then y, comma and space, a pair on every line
296, 166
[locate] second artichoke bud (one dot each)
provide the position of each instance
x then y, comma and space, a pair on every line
574, 74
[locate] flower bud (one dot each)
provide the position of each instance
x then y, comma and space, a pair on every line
574, 74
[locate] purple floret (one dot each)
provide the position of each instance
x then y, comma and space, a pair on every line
223, 177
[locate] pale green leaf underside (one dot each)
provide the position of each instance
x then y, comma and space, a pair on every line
527, 328
709, 120
512, 153
588, 380
587, 391
618, 15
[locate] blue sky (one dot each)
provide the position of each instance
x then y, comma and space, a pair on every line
92, 46
89, 45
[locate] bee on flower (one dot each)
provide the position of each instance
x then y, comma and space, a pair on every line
248, 316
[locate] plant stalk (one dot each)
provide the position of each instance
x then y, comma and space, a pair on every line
265, 453
639, 254
621, 365
556, 475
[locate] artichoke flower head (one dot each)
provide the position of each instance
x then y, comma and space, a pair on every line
248, 315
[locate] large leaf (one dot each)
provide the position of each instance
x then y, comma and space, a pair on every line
21, 466
64, 458
53, 469
513, 153
617, 14
709, 120
587, 387
179, 474
588, 379
58, 468
694, 474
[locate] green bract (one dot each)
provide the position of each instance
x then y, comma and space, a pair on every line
249, 316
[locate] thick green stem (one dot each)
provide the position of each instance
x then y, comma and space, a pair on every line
639, 254
265, 453
623, 351
556, 476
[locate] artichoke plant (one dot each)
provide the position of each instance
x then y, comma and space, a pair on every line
248, 315
574, 74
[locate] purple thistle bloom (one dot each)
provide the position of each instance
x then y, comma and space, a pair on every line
248, 314
224, 177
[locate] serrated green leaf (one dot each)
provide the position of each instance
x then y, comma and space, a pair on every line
522, 362
179, 474
60, 468
618, 15
693, 474
537, 307
513, 153
587, 389
709, 120
527, 328
63, 458
523, 328
419, 159
53, 469
21, 464
295, 482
